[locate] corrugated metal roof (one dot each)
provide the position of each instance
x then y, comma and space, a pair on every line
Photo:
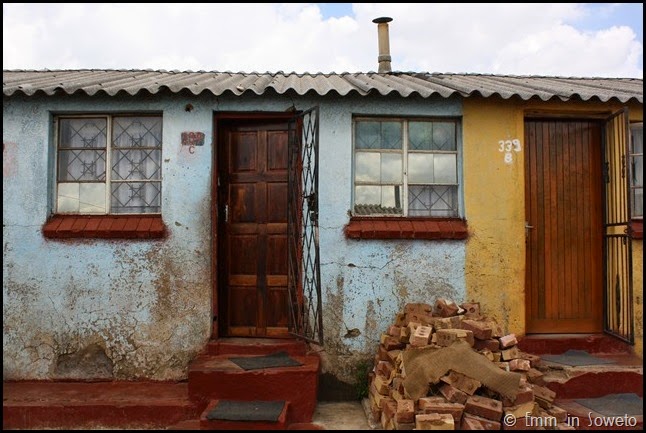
111, 82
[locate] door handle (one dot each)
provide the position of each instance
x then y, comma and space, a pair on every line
226, 213
527, 228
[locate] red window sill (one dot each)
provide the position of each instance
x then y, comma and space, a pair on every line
105, 227
405, 228
637, 229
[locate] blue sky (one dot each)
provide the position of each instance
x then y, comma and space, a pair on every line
571, 39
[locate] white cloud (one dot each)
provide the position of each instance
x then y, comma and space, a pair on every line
532, 38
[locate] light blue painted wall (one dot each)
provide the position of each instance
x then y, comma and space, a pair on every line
146, 304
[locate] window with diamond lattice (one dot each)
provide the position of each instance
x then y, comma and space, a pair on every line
109, 165
406, 167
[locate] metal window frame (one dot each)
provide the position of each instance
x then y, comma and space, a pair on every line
108, 159
405, 120
631, 166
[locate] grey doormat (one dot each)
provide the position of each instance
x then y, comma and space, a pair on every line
615, 404
575, 358
230, 410
278, 359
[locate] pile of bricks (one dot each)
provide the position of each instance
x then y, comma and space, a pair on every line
457, 401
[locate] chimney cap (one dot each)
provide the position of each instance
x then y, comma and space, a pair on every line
381, 20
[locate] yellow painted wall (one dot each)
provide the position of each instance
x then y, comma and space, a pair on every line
494, 196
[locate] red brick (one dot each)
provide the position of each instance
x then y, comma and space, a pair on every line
492, 344
484, 407
157, 228
384, 368
352, 230
79, 225
406, 230
519, 365
446, 230
389, 407
434, 421
405, 411
446, 337
50, 227
525, 395
382, 384
382, 354
471, 310
446, 308
92, 228
454, 322
471, 424
419, 228
508, 341
117, 228
394, 331
486, 423
143, 228
543, 396
425, 402
383, 230
391, 343
509, 354
453, 409
130, 228
404, 334
461, 382
480, 329
421, 336
453, 394
65, 228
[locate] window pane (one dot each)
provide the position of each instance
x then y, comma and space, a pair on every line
378, 135
637, 138
137, 132
420, 168
377, 200
136, 197
136, 164
391, 135
638, 202
74, 165
638, 170
68, 197
420, 135
445, 168
436, 201
444, 136
391, 168
83, 133
367, 167
92, 198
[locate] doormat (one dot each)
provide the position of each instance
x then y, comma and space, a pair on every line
278, 359
615, 404
575, 358
229, 410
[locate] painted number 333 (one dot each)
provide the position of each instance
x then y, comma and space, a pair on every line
507, 146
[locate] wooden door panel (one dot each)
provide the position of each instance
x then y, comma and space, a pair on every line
564, 247
254, 181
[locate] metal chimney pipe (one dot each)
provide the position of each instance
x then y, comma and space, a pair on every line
384, 44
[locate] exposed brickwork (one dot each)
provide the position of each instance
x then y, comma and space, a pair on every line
405, 228
104, 227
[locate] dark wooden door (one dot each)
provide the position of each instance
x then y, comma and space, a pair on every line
563, 203
253, 229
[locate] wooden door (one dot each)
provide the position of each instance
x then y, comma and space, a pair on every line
253, 228
563, 204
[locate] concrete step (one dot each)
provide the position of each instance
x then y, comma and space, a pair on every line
542, 344
623, 375
95, 405
255, 346
257, 424
583, 418
216, 377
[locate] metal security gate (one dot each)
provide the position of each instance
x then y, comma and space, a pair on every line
618, 294
304, 273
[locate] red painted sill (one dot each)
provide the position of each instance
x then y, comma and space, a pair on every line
105, 227
637, 229
405, 228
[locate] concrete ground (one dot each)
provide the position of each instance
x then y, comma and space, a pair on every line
341, 415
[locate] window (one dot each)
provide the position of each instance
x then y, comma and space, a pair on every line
108, 165
637, 169
406, 167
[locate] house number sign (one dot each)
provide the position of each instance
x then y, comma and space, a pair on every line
507, 147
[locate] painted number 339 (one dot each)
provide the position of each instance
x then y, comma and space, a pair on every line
507, 146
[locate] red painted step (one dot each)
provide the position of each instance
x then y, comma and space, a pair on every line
220, 424
215, 377
541, 344
92, 405
255, 346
